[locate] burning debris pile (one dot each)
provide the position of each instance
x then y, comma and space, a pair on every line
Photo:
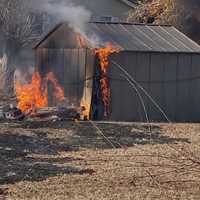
35, 94
33, 100
183, 14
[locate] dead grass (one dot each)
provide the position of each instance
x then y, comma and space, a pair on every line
66, 160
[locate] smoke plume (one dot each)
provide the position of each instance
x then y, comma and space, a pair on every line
64, 11
76, 16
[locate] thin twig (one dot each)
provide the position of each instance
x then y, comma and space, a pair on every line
99, 131
139, 86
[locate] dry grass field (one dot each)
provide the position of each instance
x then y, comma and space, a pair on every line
69, 160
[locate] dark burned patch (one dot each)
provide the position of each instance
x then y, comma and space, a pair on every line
35, 171
85, 135
30, 150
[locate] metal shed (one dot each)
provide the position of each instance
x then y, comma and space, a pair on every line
164, 61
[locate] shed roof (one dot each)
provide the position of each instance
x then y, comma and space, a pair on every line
139, 37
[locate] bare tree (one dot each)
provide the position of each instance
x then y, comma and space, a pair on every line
17, 23
18, 29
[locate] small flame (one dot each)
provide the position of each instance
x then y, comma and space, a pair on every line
103, 55
58, 90
81, 41
85, 109
35, 94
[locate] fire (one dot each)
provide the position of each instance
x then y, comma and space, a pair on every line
31, 96
35, 94
103, 55
58, 90
81, 41
85, 109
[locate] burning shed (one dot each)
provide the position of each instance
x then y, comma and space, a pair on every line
149, 69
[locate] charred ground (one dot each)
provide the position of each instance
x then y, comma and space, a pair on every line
51, 160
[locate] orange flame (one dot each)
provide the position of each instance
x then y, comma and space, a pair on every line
35, 94
58, 90
103, 55
86, 109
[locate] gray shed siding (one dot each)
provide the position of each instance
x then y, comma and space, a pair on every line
173, 80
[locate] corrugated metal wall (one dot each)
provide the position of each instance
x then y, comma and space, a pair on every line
72, 68
173, 80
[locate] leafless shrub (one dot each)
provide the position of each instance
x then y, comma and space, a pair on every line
164, 11
183, 14
179, 171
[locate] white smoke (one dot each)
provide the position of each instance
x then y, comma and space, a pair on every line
23, 75
64, 11
76, 16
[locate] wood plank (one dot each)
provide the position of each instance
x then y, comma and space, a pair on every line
116, 85
169, 90
183, 87
67, 63
55, 65
88, 79
156, 78
143, 78
194, 95
81, 73
124, 100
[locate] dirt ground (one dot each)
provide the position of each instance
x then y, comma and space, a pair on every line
76, 160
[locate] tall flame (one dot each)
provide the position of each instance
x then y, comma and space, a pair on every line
103, 55
35, 94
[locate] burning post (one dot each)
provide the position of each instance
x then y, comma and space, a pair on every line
103, 56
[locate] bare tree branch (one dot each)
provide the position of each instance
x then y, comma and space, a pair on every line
17, 23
